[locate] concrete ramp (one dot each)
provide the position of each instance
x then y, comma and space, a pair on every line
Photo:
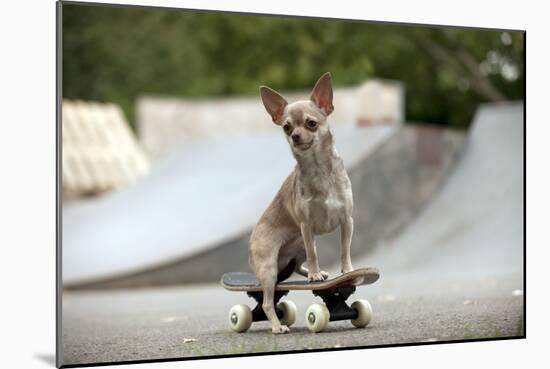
197, 199
473, 228
190, 220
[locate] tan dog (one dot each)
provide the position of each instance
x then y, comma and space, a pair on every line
315, 198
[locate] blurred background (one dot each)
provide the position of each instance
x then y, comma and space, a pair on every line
118, 54
169, 158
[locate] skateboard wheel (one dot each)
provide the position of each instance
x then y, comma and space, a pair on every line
364, 313
288, 309
317, 317
240, 318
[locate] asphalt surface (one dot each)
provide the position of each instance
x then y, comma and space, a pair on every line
182, 322
456, 273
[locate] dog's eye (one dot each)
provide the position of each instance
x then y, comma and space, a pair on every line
286, 128
311, 123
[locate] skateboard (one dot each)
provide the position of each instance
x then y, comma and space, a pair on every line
334, 293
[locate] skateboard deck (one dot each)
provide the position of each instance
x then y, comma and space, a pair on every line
247, 282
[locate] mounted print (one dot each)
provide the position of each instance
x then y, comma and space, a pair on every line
237, 184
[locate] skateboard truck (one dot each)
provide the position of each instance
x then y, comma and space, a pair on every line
258, 314
335, 301
335, 308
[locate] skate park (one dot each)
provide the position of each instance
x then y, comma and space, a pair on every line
447, 237
207, 207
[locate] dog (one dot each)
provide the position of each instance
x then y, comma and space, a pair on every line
314, 199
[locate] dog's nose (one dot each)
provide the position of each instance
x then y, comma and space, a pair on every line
295, 137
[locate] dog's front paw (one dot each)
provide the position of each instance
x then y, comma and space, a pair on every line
324, 274
347, 269
315, 277
280, 329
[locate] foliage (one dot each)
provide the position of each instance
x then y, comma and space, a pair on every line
117, 54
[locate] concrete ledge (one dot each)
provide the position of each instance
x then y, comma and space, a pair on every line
165, 122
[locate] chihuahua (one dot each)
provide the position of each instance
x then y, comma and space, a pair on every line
314, 199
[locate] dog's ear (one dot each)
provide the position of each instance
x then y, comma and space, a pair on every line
274, 103
322, 94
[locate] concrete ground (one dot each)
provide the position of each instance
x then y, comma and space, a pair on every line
455, 273
192, 321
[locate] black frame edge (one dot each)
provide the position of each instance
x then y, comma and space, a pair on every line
58, 181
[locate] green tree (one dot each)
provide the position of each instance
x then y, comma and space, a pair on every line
119, 53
